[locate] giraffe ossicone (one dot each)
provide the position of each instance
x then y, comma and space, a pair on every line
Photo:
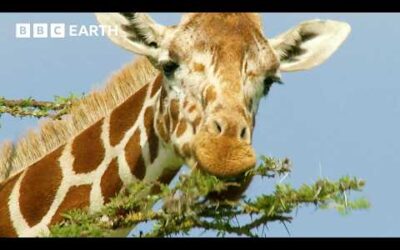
190, 99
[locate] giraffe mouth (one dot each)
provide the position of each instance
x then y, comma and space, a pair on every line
237, 184
236, 179
233, 192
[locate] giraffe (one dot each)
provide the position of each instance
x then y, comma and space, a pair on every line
190, 98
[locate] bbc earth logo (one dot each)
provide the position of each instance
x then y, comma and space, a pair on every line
61, 30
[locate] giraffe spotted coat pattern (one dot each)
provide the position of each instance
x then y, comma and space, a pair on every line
191, 98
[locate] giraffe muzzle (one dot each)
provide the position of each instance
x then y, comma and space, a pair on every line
223, 156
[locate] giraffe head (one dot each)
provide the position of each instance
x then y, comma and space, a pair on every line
214, 69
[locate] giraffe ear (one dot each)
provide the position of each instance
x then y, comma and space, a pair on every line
309, 44
136, 32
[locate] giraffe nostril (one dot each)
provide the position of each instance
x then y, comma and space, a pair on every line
243, 133
218, 127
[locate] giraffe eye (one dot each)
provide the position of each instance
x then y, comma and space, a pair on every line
268, 83
169, 68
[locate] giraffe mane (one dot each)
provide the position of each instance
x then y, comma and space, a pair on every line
53, 133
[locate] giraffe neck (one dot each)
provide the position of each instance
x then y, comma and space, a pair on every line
91, 168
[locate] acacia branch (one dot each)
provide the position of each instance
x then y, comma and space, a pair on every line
31, 103
186, 205
32, 108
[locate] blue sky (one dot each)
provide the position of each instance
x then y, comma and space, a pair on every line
341, 118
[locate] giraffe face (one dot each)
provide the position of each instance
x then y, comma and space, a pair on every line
219, 67
215, 69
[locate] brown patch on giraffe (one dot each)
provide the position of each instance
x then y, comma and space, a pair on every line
111, 183
186, 150
152, 138
210, 95
252, 74
181, 128
163, 95
133, 156
167, 122
77, 197
165, 178
140, 169
125, 115
160, 127
167, 175
192, 108
6, 225
88, 149
174, 111
196, 123
198, 67
39, 187
156, 85
218, 108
